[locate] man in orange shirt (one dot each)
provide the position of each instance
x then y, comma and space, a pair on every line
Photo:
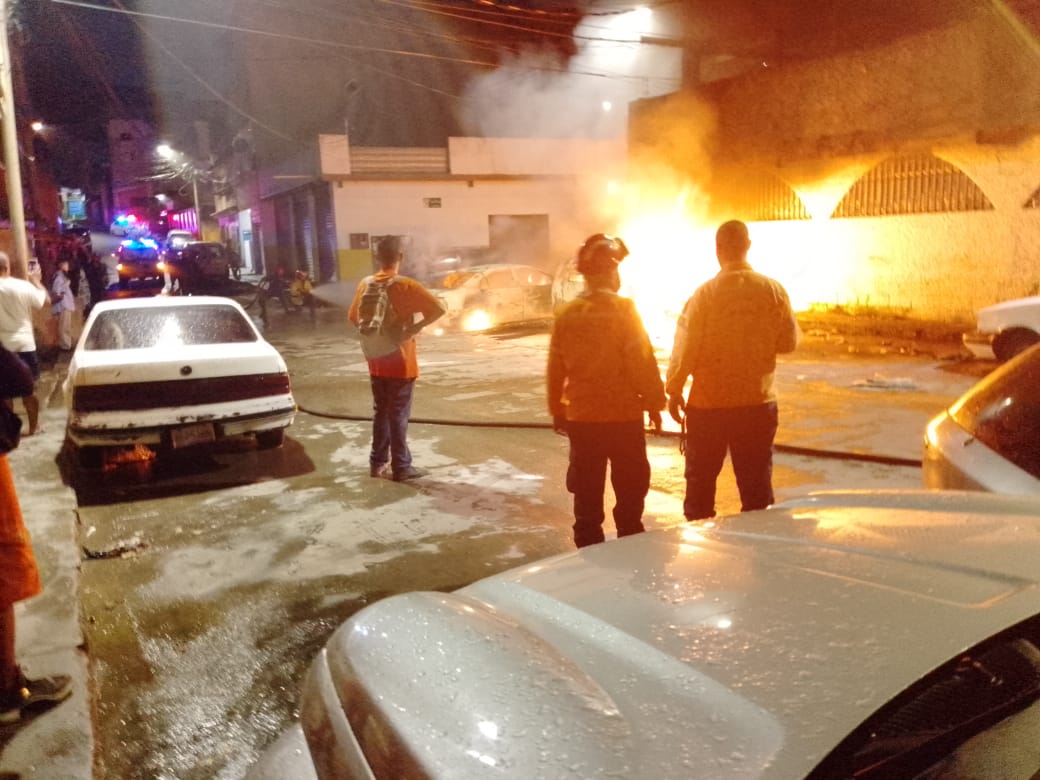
602, 377
19, 578
393, 376
727, 339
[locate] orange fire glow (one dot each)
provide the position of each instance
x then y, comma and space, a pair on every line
672, 244
666, 262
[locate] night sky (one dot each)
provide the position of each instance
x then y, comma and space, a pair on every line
84, 66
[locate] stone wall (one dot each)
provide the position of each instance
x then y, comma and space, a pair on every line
976, 76
967, 93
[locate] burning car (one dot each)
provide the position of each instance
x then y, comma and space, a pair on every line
489, 296
173, 373
567, 283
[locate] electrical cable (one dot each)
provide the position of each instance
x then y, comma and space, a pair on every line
396, 27
283, 36
329, 43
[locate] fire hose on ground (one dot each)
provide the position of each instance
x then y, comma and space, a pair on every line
787, 449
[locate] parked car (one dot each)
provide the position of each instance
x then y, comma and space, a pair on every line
137, 259
871, 634
176, 239
128, 225
198, 266
81, 231
489, 296
989, 439
1005, 329
173, 373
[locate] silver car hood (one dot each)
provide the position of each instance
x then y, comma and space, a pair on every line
747, 649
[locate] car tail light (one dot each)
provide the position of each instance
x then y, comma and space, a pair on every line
177, 392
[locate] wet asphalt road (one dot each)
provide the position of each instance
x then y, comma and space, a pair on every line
210, 580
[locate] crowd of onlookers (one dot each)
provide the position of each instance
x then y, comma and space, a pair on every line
51, 249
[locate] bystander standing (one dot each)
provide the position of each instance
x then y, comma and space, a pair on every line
602, 378
393, 375
63, 304
728, 336
19, 577
18, 300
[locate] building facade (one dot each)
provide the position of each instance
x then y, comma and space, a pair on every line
515, 200
905, 176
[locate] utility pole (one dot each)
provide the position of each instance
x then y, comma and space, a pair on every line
12, 159
195, 200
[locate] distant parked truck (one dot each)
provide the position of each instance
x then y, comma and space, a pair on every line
199, 266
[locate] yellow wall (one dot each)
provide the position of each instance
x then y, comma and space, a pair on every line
354, 263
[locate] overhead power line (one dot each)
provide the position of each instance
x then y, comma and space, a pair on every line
207, 86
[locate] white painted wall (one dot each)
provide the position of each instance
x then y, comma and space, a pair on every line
536, 156
383, 208
931, 265
566, 180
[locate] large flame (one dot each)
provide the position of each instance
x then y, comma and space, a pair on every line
667, 263
672, 244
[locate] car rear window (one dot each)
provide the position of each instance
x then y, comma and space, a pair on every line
1003, 411
169, 326
456, 279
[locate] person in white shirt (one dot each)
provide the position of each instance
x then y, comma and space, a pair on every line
18, 299
63, 304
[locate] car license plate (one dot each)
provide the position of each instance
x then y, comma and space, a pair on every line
187, 435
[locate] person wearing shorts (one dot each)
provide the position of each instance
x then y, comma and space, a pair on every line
18, 299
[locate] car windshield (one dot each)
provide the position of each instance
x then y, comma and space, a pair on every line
167, 327
1003, 411
977, 716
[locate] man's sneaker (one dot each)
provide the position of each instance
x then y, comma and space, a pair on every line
409, 473
379, 471
29, 694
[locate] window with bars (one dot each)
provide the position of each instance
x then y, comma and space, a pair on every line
912, 184
762, 197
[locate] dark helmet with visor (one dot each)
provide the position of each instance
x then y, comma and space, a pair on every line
601, 253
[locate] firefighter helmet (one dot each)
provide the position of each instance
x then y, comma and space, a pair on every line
601, 253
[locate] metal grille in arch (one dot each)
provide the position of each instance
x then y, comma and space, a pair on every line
912, 184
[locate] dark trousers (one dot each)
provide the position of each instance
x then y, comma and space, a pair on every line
592, 446
747, 432
392, 406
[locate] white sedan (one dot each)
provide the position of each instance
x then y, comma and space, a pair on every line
173, 373
1005, 329
869, 634
490, 296
989, 438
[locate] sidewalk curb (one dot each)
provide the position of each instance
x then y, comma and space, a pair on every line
57, 744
